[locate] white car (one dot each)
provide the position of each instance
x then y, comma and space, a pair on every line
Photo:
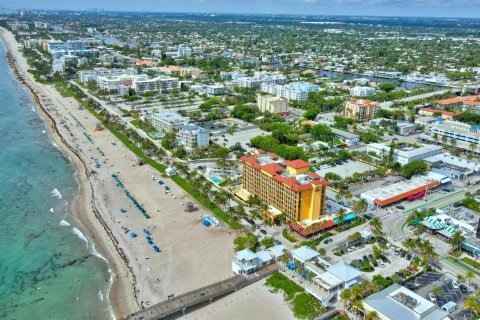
432, 297
351, 249
455, 285
381, 264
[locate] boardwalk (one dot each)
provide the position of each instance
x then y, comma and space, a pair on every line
199, 296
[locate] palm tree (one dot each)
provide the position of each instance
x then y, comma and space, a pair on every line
469, 276
437, 291
360, 207
346, 297
376, 224
409, 244
456, 241
357, 306
372, 315
341, 215
472, 303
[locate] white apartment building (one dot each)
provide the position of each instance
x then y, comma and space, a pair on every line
91, 75
284, 92
406, 154
261, 77
167, 121
362, 91
58, 65
142, 83
193, 136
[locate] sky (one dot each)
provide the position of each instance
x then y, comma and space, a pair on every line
427, 8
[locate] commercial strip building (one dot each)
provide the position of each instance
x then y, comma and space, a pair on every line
288, 187
444, 114
452, 166
405, 154
167, 121
399, 303
386, 195
193, 136
270, 103
361, 109
453, 133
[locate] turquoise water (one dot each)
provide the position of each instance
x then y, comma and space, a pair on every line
48, 269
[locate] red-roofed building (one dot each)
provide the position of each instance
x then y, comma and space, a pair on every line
447, 115
287, 186
361, 109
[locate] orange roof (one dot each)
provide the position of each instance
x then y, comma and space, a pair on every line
468, 99
297, 164
444, 112
275, 170
363, 102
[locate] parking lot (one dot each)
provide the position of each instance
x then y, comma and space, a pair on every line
347, 169
430, 280
396, 262
242, 136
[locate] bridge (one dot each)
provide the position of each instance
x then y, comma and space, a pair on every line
181, 303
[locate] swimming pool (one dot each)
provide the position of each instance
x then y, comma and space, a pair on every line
215, 179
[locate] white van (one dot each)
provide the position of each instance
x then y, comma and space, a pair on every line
450, 306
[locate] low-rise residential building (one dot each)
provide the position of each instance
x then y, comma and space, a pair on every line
216, 90
58, 65
361, 109
284, 91
405, 154
262, 77
167, 121
67, 45
406, 128
362, 91
468, 103
346, 137
193, 136
271, 103
453, 133
399, 303
444, 114
143, 83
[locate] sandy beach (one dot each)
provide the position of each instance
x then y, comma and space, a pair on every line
254, 302
191, 255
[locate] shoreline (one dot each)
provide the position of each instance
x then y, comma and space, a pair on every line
83, 209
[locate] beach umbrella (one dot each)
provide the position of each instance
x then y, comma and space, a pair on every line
157, 249
133, 234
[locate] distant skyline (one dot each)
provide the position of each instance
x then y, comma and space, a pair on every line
426, 8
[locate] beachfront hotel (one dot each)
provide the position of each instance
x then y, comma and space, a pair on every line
287, 187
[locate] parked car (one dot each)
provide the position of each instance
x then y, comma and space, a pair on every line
400, 207
327, 241
432, 297
384, 259
410, 268
278, 242
408, 257
403, 253
370, 256
365, 258
463, 288
455, 285
351, 249
263, 231
457, 205
381, 264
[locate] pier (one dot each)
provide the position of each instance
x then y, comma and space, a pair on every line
180, 304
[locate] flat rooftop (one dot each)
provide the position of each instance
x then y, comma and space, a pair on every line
450, 159
386, 192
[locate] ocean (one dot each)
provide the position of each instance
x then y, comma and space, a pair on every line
48, 267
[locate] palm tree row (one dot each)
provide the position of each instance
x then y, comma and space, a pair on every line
352, 298
421, 249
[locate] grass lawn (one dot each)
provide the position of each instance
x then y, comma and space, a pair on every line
471, 262
314, 243
281, 282
287, 235
306, 306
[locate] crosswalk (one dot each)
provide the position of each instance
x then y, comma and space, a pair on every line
387, 214
405, 236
